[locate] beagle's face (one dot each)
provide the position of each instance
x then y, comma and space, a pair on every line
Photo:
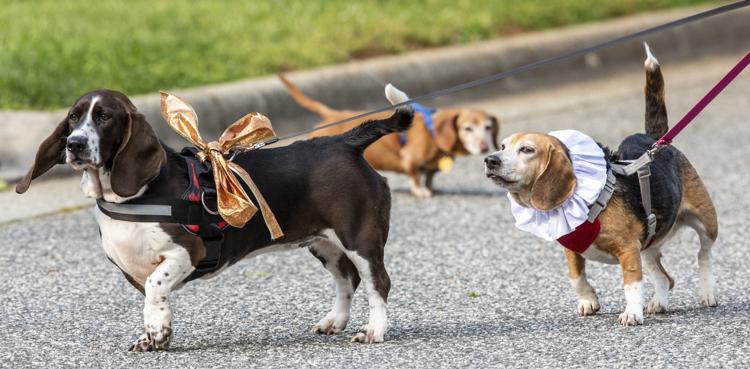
535, 168
477, 131
97, 123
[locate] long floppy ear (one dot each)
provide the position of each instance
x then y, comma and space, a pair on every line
555, 184
495, 131
446, 127
50, 153
139, 158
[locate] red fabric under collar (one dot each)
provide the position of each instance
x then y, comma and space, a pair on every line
582, 237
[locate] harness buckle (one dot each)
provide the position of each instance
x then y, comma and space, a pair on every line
644, 172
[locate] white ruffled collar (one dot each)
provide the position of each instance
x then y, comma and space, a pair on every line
590, 168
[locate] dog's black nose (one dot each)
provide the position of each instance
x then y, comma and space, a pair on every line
76, 144
492, 161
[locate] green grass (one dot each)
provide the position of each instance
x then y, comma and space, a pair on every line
53, 51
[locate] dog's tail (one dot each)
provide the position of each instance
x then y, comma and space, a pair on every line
368, 132
314, 106
656, 109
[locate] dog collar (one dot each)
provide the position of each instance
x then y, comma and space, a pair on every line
428, 122
590, 169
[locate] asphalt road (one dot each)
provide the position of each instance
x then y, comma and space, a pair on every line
469, 290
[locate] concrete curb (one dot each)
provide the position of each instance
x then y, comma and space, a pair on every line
357, 85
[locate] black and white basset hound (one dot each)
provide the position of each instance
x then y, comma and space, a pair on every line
324, 195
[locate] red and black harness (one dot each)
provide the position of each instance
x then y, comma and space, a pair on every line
191, 210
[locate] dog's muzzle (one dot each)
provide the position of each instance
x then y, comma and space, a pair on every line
78, 153
492, 162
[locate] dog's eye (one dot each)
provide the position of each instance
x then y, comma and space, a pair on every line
468, 128
488, 128
526, 149
73, 118
104, 117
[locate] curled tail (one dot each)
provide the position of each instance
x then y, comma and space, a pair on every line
302, 99
368, 132
656, 120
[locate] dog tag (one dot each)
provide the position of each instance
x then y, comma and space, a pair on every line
445, 164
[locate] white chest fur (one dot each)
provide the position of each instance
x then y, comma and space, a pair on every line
136, 248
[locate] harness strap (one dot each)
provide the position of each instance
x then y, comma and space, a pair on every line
644, 180
604, 196
624, 167
153, 210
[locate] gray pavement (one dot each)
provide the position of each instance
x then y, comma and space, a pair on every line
469, 290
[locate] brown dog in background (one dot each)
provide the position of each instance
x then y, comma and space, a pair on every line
416, 152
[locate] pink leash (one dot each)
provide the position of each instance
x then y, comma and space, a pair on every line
698, 108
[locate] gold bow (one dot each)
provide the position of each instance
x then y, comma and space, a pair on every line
233, 203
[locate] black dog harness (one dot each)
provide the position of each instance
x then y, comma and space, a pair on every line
190, 210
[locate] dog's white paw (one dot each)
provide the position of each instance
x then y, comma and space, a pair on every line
633, 315
330, 325
422, 192
158, 326
657, 306
588, 306
708, 298
369, 335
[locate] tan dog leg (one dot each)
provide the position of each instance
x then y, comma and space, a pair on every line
588, 303
630, 263
415, 185
651, 259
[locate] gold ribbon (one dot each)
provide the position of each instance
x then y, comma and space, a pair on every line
233, 203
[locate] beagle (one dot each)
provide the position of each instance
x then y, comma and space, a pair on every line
104, 136
538, 173
433, 138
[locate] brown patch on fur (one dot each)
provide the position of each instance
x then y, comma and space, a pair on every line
576, 264
193, 244
133, 282
620, 236
696, 201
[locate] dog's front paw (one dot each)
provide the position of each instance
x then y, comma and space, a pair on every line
158, 326
160, 336
330, 325
421, 192
143, 344
633, 315
708, 299
369, 335
588, 306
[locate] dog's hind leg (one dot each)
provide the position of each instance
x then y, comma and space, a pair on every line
347, 279
698, 213
588, 302
368, 259
651, 259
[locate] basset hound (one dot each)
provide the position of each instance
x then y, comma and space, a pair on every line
435, 135
325, 196
537, 171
